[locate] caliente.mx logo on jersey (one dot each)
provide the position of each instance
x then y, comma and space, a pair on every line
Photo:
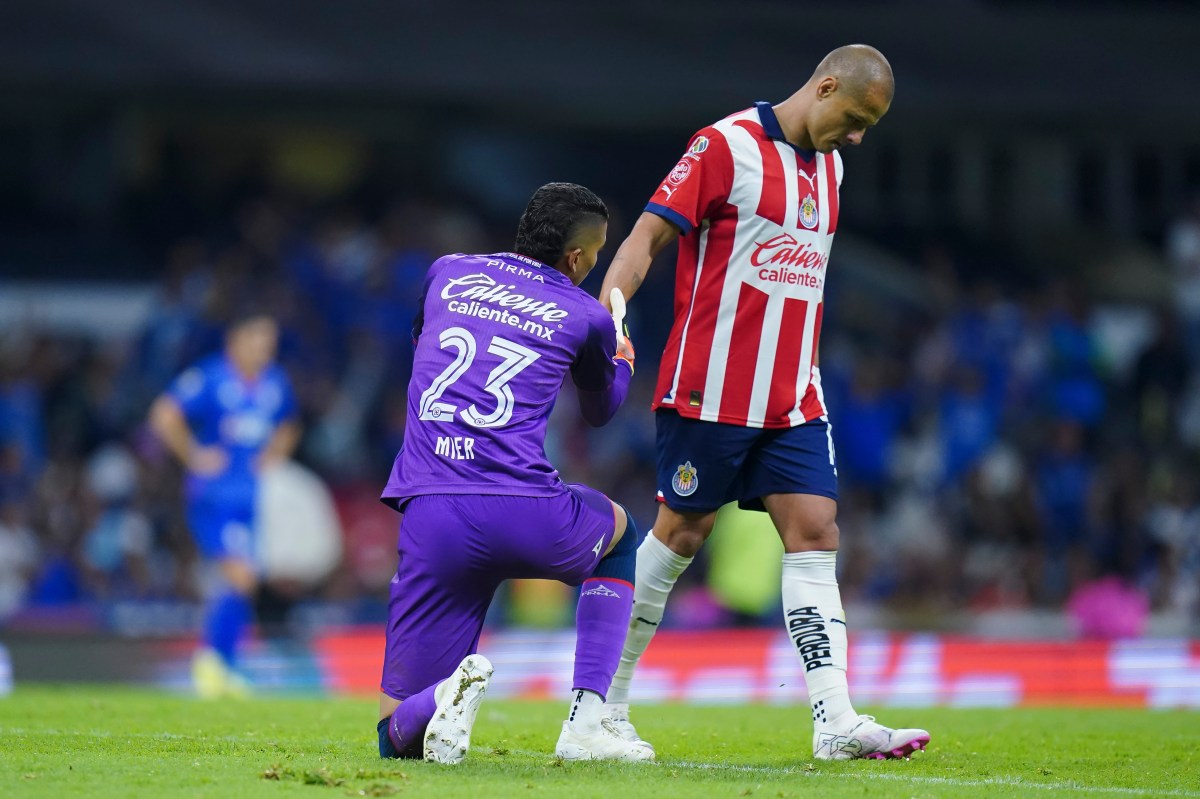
483, 289
686, 480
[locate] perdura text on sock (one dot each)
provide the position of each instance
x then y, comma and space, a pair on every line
807, 629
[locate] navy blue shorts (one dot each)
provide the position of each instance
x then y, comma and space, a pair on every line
704, 465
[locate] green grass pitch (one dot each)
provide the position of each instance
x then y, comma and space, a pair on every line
101, 741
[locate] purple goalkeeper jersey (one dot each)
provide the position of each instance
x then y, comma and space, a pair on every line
496, 336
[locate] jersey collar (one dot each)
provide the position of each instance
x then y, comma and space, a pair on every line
771, 126
549, 270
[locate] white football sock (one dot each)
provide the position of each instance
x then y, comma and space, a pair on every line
816, 623
586, 707
657, 570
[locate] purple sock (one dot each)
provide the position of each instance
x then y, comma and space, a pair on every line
407, 725
601, 621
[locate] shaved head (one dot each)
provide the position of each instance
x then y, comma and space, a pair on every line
846, 96
859, 69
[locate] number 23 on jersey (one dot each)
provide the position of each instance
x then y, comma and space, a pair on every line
513, 360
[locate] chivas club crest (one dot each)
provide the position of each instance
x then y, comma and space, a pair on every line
808, 212
686, 481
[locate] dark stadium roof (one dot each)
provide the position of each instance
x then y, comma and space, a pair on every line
641, 61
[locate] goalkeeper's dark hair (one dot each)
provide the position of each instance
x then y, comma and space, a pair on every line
554, 217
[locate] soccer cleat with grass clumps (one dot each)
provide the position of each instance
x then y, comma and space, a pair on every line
448, 734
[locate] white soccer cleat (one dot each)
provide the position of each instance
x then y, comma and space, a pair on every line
618, 715
852, 737
448, 734
604, 743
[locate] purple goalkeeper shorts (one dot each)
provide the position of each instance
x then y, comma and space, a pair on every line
455, 550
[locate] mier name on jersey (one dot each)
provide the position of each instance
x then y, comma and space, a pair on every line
455, 448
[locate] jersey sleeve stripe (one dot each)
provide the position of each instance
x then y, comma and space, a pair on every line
674, 217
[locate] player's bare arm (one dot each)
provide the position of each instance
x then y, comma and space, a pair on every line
168, 423
650, 234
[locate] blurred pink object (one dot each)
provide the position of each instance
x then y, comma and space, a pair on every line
696, 608
1109, 608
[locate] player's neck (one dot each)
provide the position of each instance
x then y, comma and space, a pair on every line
790, 114
246, 372
564, 269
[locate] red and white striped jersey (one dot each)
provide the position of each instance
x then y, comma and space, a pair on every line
758, 217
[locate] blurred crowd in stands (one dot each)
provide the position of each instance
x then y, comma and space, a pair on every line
1001, 444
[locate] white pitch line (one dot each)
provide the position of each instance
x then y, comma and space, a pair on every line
1007, 782
1012, 782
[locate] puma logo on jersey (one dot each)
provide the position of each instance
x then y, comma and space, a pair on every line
812, 179
667, 190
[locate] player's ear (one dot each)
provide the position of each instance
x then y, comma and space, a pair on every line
827, 86
572, 257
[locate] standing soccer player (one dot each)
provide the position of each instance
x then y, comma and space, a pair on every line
226, 419
495, 337
739, 410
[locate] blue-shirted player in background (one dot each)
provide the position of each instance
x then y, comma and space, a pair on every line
227, 418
